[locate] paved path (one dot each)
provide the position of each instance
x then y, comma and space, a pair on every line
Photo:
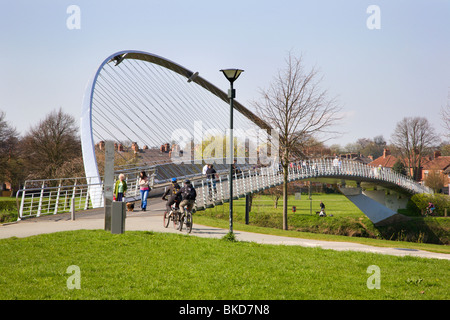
152, 220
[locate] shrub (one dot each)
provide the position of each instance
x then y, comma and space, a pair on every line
8, 205
8, 210
440, 201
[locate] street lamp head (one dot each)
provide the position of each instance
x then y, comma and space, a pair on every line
232, 74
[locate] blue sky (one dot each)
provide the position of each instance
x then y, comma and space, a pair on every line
379, 76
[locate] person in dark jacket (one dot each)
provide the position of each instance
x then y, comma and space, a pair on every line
173, 196
188, 195
211, 176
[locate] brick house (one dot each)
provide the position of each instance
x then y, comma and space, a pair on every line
387, 160
439, 164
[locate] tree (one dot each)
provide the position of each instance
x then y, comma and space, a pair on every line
435, 180
399, 167
445, 114
414, 137
371, 147
49, 145
297, 108
11, 165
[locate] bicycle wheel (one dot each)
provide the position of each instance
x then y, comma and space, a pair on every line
181, 222
175, 220
166, 219
188, 222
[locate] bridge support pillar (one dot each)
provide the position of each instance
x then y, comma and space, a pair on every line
373, 205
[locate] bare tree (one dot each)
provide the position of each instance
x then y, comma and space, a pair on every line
50, 144
10, 163
414, 137
445, 114
298, 109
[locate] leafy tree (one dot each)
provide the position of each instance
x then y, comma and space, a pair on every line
399, 167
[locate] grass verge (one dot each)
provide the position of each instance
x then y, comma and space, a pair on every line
147, 265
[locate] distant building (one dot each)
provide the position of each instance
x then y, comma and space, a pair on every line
439, 164
387, 160
356, 157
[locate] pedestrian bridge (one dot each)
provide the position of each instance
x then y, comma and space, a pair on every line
393, 189
159, 116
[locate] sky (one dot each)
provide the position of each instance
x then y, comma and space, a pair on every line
382, 65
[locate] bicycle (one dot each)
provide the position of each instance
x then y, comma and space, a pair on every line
173, 216
430, 212
186, 220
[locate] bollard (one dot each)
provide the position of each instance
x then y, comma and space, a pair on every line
72, 209
247, 208
118, 215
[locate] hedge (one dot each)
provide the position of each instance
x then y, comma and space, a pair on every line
440, 201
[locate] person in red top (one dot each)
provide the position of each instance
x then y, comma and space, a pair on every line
144, 186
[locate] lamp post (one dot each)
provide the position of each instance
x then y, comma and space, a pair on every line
231, 75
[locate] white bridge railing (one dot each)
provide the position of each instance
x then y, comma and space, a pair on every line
255, 180
51, 196
54, 196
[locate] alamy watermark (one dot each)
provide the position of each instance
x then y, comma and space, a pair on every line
374, 281
73, 21
373, 22
74, 281
258, 146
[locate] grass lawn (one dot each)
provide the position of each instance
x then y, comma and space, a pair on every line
348, 223
147, 265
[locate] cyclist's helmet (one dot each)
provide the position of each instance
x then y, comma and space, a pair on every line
174, 179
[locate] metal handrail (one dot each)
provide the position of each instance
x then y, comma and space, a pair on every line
249, 180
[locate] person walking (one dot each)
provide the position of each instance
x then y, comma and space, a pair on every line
205, 168
120, 187
211, 179
322, 206
144, 186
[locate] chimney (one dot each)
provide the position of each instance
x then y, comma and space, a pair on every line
386, 152
437, 154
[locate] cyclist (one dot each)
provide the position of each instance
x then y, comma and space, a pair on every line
188, 195
431, 208
172, 192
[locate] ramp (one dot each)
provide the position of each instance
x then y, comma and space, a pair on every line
375, 211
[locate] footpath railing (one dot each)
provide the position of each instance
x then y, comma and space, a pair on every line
52, 196
251, 181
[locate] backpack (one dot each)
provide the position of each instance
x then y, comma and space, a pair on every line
189, 193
